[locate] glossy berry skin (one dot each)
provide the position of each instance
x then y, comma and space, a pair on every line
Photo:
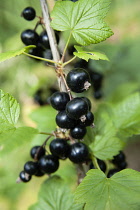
89, 120
31, 167
81, 64
39, 173
29, 37
119, 158
60, 148
24, 176
112, 172
48, 164
44, 39
88, 102
59, 100
79, 153
37, 152
76, 108
29, 13
38, 51
64, 121
101, 164
78, 132
76, 80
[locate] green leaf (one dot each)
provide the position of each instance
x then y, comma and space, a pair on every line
9, 108
16, 137
10, 54
86, 54
55, 195
84, 20
10, 136
105, 144
45, 118
121, 191
127, 115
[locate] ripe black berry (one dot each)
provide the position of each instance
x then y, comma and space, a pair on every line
59, 100
96, 79
63, 121
79, 152
119, 158
29, 37
38, 51
48, 164
89, 120
76, 108
29, 13
88, 102
81, 64
121, 165
39, 173
24, 176
44, 39
60, 148
78, 132
37, 152
101, 164
97, 94
112, 172
31, 167
78, 80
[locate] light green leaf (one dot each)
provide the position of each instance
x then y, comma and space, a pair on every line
84, 20
120, 192
105, 144
10, 54
9, 109
45, 118
10, 136
127, 115
86, 54
55, 195
16, 137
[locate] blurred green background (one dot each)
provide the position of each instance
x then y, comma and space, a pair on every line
22, 76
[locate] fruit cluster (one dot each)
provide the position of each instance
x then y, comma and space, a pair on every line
31, 37
49, 163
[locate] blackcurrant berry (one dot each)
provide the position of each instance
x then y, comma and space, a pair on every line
29, 13
39, 173
48, 54
59, 100
121, 165
78, 132
88, 102
44, 39
89, 120
60, 148
24, 176
81, 64
79, 152
101, 164
119, 158
63, 121
29, 37
112, 172
78, 80
96, 79
31, 167
97, 94
48, 164
38, 51
37, 152
76, 108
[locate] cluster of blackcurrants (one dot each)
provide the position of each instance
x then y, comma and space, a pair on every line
119, 163
47, 164
31, 37
74, 113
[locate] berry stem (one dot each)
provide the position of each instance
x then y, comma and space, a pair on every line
95, 163
45, 133
65, 49
64, 64
39, 58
